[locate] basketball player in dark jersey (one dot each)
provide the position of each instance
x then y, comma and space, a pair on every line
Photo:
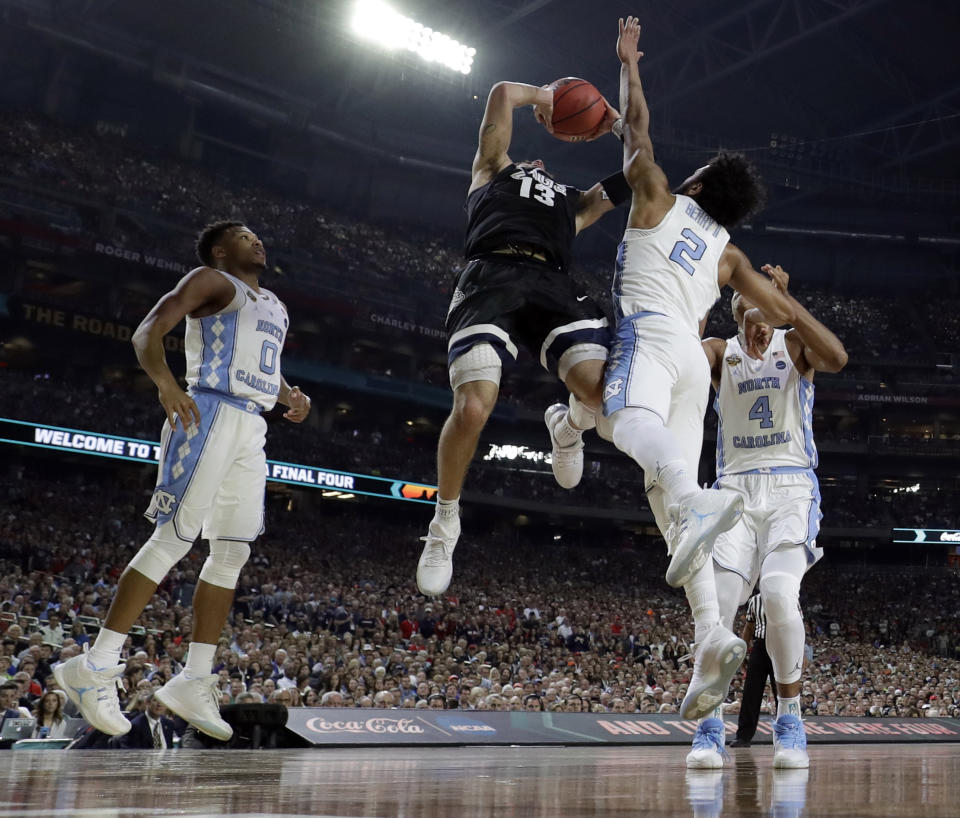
513, 291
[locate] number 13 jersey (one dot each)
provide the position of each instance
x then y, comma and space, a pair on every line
236, 352
765, 410
671, 269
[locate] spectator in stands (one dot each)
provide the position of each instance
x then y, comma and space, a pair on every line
49, 715
151, 730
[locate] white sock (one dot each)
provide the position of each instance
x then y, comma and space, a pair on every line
105, 652
701, 593
788, 706
565, 433
199, 660
581, 416
676, 481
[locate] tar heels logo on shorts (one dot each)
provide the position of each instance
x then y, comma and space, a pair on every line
734, 360
781, 364
612, 389
163, 501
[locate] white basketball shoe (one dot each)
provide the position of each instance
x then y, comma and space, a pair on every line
435, 568
94, 692
196, 701
567, 461
699, 521
707, 752
717, 658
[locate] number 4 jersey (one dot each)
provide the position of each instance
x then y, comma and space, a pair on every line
765, 409
236, 352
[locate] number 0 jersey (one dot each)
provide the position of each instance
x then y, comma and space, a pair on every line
671, 269
523, 205
236, 352
765, 410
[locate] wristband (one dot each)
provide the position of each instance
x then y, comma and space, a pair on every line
616, 188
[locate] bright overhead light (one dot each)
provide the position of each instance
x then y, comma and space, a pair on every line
375, 20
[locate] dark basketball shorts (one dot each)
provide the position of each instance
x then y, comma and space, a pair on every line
516, 302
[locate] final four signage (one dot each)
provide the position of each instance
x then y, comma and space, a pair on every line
334, 483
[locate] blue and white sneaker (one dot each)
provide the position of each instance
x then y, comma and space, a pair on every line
789, 744
707, 752
94, 692
700, 520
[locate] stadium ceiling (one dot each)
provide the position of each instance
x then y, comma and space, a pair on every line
838, 100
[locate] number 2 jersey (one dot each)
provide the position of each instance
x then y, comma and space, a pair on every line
236, 352
671, 269
765, 409
523, 206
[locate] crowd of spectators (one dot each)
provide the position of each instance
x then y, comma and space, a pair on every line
118, 407
327, 614
393, 266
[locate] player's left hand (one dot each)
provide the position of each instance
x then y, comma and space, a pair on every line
778, 276
606, 124
299, 405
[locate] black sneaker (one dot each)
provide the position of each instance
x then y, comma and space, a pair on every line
739, 742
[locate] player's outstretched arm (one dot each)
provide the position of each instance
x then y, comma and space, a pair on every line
496, 129
820, 348
644, 175
737, 271
202, 288
297, 402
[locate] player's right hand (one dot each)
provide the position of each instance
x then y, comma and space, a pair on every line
627, 41
178, 404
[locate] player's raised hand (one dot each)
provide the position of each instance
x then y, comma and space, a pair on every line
627, 41
299, 405
178, 405
778, 276
543, 108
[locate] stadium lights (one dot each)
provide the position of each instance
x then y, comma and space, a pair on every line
375, 20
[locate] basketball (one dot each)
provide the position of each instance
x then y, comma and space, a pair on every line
578, 108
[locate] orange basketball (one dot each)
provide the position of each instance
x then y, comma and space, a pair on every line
578, 108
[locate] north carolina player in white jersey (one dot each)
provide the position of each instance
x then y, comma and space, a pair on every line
212, 469
766, 454
675, 256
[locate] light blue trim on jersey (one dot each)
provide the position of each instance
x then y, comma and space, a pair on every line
219, 338
244, 404
616, 287
620, 365
814, 516
720, 457
178, 463
805, 392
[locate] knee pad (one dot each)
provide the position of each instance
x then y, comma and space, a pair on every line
781, 597
225, 562
479, 363
160, 553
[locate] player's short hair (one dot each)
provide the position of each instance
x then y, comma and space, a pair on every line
735, 300
732, 189
209, 236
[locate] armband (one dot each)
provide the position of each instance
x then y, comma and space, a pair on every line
617, 189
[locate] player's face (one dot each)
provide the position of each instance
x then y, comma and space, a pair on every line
245, 248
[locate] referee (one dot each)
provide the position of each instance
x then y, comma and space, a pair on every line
759, 669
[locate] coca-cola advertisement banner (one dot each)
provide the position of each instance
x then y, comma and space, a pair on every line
345, 726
